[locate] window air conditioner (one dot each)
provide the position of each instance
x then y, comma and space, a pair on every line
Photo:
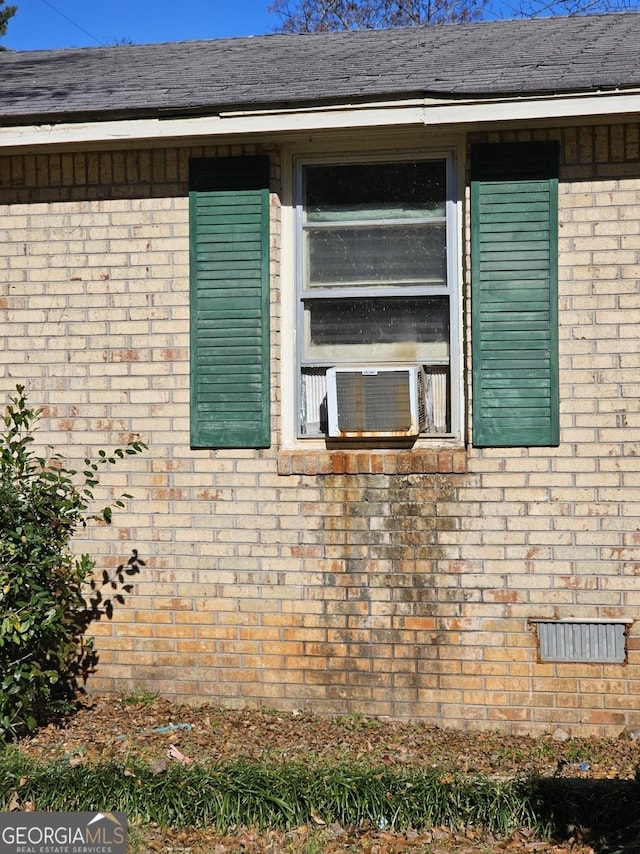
376, 401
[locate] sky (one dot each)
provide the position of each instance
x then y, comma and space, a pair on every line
44, 24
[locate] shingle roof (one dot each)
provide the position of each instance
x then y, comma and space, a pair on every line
534, 56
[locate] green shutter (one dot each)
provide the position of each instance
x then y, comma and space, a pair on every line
514, 259
229, 225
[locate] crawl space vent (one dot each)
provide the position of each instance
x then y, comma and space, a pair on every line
579, 640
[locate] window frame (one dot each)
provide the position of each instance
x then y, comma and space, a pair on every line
451, 289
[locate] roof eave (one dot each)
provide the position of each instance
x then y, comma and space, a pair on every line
432, 110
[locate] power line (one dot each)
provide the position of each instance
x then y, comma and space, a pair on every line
73, 23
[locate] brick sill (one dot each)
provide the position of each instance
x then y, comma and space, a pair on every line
424, 461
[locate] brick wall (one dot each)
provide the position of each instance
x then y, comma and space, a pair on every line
393, 584
556, 528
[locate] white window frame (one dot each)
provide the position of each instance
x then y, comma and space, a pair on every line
452, 289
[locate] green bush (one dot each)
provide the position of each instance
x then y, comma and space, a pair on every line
46, 600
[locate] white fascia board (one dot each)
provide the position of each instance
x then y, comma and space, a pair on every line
216, 126
416, 113
556, 107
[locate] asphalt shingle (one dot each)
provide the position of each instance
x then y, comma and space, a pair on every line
577, 54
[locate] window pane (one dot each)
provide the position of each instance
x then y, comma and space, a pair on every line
375, 190
412, 329
376, 255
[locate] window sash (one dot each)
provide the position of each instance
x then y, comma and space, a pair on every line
379, 253
370, 329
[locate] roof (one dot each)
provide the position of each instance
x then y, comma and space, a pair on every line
488, 59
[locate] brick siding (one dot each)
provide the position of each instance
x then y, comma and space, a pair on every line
397, 584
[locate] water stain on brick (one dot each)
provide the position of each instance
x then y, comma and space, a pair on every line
173, 355
109, 424
412, 594
167, 494
503, 596
124, 356
382, 531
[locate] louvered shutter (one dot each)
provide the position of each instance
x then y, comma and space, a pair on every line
229, 226
514, 257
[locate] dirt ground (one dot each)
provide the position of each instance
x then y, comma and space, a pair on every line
159, 732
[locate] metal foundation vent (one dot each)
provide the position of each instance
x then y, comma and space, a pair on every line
582, 640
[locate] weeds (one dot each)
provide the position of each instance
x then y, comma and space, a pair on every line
139, 697
358, 723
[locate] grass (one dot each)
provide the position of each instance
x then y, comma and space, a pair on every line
288, 795
279, 796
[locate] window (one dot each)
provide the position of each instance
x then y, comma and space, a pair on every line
377, 300
377, 283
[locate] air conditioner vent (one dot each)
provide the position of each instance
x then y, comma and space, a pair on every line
376, 401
